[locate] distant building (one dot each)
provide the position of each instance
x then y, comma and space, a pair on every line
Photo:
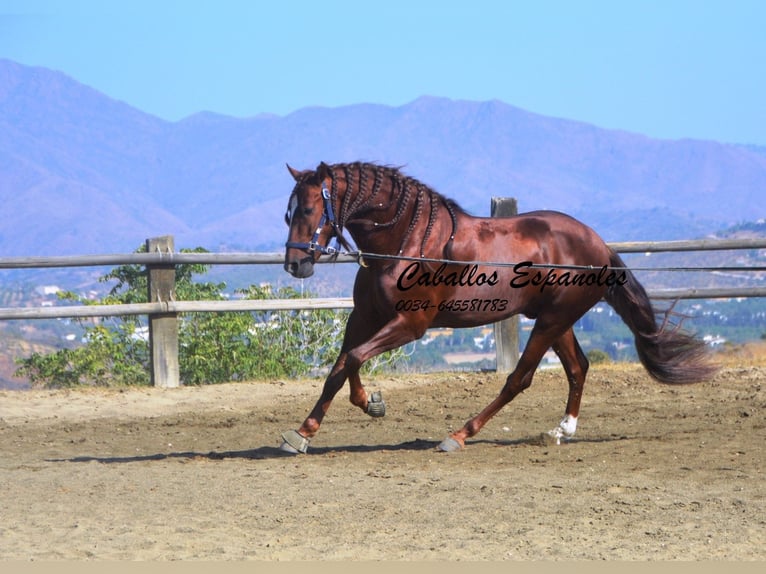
713, 340
47, 290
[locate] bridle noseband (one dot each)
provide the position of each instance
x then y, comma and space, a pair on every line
328, 216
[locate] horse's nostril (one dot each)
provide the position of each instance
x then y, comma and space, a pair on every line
300, 269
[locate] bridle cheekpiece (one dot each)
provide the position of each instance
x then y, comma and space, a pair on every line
328, 216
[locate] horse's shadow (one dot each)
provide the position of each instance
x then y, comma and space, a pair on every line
272, 452
264, 452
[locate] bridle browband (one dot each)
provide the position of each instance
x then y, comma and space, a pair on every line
328, 216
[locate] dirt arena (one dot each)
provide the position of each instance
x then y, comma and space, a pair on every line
655, 472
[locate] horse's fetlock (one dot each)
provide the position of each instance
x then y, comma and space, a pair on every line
309, 428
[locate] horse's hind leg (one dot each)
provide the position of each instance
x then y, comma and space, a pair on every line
575, 365
539, 342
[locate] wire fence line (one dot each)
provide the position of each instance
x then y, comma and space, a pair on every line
170, 258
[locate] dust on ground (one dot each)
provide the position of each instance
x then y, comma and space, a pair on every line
655, 472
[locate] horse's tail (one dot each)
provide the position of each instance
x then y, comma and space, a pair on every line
667, 353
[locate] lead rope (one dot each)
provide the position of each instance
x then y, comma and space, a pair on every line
360, 256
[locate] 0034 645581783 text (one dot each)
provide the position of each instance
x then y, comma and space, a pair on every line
454, 305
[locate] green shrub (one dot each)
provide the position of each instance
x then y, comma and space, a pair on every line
598, 356
213, 347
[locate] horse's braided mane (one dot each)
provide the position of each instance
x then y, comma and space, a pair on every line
409, 194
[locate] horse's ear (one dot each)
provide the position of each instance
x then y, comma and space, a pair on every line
323, 171
294, 172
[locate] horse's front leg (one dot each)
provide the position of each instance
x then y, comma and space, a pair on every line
360, 326
297, 441
394, 334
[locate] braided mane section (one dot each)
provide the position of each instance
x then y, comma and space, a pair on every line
371, 187
348, 172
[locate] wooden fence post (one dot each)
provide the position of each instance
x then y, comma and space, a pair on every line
507, 330
163, 327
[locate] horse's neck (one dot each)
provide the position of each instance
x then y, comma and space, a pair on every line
414, 233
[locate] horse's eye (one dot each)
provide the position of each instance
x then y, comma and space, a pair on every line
308, 211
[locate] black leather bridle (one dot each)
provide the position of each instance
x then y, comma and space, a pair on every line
328, 216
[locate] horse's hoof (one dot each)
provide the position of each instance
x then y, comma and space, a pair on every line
565, 431
449, 444
376, 406
555, 436
294, 443
550, 438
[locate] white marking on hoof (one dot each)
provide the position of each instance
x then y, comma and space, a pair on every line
565, 430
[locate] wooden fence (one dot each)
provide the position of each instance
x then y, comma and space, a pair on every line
163, 310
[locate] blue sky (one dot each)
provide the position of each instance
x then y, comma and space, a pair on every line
667, 68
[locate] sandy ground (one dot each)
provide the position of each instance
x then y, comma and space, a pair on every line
655, 472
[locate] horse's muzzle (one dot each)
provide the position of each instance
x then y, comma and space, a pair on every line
300, 269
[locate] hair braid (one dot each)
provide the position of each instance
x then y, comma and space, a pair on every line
362, 194
359, 196
431, 219
415, 216
450, 205
344, 213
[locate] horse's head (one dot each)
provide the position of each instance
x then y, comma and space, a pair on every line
311, 220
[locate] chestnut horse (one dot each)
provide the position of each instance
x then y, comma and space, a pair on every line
427, 263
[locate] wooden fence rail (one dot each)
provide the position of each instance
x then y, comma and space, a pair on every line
163, 310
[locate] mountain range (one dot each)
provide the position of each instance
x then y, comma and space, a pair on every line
83, 173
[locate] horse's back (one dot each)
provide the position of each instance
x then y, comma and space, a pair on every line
542, 236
